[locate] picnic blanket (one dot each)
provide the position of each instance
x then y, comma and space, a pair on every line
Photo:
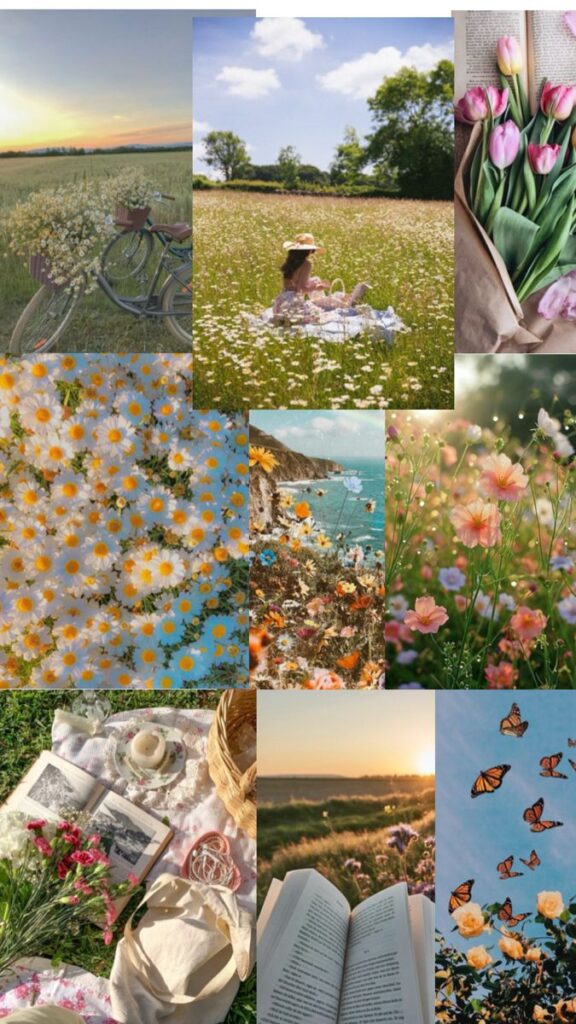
34, 982
338, 325
191, 803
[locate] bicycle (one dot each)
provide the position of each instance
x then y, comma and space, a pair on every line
163, 289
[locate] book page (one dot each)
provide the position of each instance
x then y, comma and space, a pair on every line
475, 36
380, 984
552, 51
422, 922
301, 952
54, 787
134, 837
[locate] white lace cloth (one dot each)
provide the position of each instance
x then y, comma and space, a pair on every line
35, 983
191, 803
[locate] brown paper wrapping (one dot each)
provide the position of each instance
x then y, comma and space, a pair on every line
489, 317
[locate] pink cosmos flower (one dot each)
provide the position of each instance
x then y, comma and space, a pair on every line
501, 677
558, 101
426, 616
528, 623
477, 524
501, 478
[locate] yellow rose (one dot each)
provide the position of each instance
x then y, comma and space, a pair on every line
469, 920
533, 954
478, 957
550, 904
512, 948
540, 1014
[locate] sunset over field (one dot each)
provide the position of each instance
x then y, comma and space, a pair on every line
94, 79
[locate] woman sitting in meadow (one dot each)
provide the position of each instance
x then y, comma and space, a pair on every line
303, 296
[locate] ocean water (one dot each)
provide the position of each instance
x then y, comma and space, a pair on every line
339, 511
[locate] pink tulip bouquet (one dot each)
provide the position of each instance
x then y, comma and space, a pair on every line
522, 180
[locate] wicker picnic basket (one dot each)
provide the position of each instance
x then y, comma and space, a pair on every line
236, 788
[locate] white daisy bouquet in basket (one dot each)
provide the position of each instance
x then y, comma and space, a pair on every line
521, 185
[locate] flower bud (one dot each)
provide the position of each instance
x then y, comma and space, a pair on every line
504, 144
509, 55
558, 101
478, 103
542, 158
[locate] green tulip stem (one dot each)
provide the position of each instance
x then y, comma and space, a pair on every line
545, 134
476, 206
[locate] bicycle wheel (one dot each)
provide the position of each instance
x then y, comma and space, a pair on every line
177, 304
126, 255
44, 320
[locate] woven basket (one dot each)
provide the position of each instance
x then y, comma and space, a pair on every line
133, 219
40, 269
236, 789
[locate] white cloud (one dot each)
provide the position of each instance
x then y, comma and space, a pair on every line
285, 38
283, 433
200, 127
248, 83
360, 78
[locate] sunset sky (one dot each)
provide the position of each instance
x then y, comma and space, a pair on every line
94, 78
345, 733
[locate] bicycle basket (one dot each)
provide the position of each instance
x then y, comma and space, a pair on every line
133, 219
40, 269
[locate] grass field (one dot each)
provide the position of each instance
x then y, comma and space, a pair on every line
99, 326
404, 249
331, 833
25, 730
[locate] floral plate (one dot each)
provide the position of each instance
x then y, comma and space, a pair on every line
149, 778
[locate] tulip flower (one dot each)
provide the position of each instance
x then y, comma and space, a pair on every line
478, 104
558, 101
504, 144
509, 55
542, 158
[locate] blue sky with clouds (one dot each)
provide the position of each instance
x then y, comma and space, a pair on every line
473, 836
324, 433
294, 81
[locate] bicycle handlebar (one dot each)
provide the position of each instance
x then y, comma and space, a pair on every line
172, 198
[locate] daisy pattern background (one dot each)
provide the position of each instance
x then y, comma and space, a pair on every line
123, 527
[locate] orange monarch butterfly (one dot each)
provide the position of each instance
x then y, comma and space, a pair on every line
573, 763
549, 765
533, 861
571, 743
533, 815
505, 914
489, 780
513, 725
460, 895
505, 869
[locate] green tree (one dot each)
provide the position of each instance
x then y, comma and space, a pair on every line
349, 159
289, 166
227, 153
413, 137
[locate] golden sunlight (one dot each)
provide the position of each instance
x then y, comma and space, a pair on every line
25, 121
425, 761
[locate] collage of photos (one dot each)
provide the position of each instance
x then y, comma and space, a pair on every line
287, 405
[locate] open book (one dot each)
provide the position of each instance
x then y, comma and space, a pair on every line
54, 787
548, 46
320, 962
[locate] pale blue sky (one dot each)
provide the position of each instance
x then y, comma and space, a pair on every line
345, 732
278, 81
474, 835
325, 433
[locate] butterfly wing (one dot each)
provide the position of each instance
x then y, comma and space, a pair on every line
549, 765
571, 743
489, 780
460, 895
572, 763
513, 921
543, 826
505, 914
505, 869
534, 813
512, 724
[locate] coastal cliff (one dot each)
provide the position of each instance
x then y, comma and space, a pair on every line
291, 466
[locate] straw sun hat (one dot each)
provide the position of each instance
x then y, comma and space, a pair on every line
304, 241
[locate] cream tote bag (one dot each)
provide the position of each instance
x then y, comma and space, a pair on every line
183, 962
44, 1015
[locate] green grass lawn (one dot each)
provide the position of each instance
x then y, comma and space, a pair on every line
99, 326
403, 248
25, 730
